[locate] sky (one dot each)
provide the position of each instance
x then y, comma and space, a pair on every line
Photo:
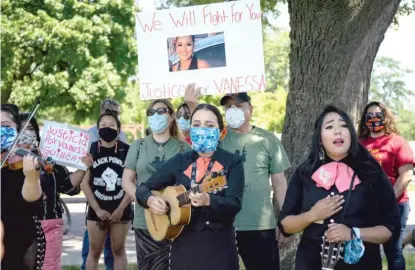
399, 43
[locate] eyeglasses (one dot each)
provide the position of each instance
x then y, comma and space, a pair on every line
370, 116
159, 111
186, 116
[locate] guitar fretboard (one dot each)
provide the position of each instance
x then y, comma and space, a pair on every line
184, 198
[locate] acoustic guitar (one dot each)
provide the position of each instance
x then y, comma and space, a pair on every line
170, 225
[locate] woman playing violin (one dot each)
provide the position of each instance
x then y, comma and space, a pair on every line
59, 180
21, 198
208, 242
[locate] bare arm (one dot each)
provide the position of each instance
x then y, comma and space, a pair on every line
279, 185
88, 192
31, 190
128, 182
375, 235
297, 223
405, 177
77, 177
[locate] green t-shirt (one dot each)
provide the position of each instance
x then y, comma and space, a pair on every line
149, 160
263, 155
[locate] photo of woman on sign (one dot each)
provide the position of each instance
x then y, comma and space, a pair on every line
184, 48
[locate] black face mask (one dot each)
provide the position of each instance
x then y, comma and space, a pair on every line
108, 134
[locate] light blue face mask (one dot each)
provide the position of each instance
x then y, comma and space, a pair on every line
354, 249
158, 122
184, 124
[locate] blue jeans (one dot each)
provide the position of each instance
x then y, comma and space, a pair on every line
108, 257
393, 248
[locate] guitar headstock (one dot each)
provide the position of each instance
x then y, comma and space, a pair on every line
330, 254
215, 182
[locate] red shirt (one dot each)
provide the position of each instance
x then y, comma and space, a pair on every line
392, 152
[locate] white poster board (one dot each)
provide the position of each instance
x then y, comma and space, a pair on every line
65, 144
217, 46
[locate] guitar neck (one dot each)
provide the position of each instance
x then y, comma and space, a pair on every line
184, 198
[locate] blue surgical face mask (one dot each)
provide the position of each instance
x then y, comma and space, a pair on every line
184, 124
8, 135
204, 139
158, 122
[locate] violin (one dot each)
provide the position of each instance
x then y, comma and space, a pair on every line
25, 141
46, 165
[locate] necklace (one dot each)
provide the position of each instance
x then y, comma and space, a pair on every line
161, 145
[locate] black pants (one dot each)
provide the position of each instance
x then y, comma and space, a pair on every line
258, 249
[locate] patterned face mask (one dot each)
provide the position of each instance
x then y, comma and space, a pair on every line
204, 139
8, 135
354, 249
375, 122
28, 139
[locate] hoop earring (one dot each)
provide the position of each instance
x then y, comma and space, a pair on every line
321, 153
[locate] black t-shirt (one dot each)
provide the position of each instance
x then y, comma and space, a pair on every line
106, 173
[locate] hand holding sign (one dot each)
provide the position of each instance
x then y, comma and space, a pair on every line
192, 96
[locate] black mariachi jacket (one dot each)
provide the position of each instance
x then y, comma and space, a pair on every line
224, 205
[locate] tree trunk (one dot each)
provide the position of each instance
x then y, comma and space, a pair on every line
333, 47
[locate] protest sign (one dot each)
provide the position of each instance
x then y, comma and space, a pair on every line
217, 46
65, 144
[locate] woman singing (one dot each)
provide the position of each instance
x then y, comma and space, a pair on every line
208, 242
185, 50
378, 133
339, 191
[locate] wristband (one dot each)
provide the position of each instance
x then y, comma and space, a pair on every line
356, 232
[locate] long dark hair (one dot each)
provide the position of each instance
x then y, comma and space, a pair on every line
313, 162
13, 112
213, 109
389, 121
24, 116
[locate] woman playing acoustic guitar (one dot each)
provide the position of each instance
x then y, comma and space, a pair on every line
208, 242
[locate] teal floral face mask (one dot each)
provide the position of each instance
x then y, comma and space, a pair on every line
204, 139
8, 135
354, 249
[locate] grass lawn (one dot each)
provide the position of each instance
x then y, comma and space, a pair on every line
410, 264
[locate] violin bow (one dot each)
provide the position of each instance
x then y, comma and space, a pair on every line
21, 132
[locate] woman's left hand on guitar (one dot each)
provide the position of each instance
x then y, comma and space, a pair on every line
338, 233
199, 199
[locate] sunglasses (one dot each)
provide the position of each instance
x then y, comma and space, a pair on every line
371, 116
159, 111
186, 116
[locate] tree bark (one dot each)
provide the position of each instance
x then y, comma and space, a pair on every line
333, 47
